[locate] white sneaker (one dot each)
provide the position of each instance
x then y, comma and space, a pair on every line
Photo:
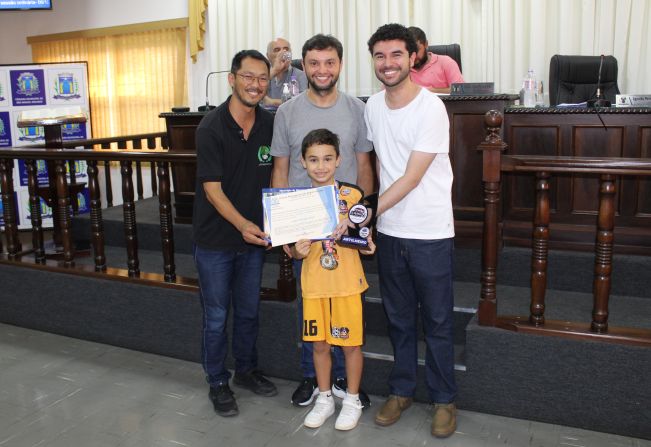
322, 410
351, 411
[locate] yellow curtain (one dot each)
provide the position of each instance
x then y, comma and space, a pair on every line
131, 77
197, 25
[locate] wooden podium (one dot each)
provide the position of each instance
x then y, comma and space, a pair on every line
53, 139
181, 128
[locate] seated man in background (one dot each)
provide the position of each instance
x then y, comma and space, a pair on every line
435, 72
279, 53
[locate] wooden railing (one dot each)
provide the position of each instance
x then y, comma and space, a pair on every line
151, 141
35, 255
543, 167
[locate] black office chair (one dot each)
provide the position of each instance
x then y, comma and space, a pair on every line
573, 79
453, 50
297, 63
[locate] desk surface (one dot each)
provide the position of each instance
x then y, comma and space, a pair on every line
577, 110
444, 98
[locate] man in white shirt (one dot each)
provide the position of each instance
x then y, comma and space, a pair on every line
409, 128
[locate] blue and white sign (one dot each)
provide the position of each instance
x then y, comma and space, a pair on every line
2, 217
31, 135
41, 172
25, 211
5, 130
4, 89
27, 87
73, 131
37, 87
83, 201
66, 85
25, 4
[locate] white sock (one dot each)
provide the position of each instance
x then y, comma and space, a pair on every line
327, 394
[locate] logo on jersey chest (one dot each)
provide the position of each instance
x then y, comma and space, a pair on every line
264, 155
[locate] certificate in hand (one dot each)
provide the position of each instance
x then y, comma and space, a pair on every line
302, 213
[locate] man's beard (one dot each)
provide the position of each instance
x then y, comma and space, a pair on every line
418, 63
326, 88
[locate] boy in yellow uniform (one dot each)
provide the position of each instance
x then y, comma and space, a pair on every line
332, 283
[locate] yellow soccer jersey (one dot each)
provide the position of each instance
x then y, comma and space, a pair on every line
348, 278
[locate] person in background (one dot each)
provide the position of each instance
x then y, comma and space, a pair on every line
409, 128
435, 72
233, 165
322, 105
279, 53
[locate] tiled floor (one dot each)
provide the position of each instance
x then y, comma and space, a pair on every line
58, 391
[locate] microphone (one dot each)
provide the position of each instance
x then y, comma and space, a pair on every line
599, 100
208, 107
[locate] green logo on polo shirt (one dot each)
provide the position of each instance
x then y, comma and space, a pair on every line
264, 154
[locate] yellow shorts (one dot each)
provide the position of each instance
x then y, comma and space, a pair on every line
338, 321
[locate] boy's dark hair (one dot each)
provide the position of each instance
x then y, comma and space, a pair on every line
418, 34
393, 31
236, 64
323, 42
320, 136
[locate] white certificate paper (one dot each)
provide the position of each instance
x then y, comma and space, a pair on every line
302, 213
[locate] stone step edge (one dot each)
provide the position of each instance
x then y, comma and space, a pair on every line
390, 358
468, 310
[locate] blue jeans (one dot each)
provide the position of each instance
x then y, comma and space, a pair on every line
307, 351
417, 273
229, 277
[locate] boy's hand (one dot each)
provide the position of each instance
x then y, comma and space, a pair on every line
301, 249
341, 228
288, 250
371, 247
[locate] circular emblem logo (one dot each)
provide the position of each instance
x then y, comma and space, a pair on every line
364, 232
357, 213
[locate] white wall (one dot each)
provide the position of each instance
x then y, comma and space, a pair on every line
75, 15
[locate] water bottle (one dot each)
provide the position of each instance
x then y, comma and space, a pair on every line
286, 95
529, 89
540, 95
294, 89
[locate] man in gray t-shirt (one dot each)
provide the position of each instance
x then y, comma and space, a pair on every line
297, 117
321, 106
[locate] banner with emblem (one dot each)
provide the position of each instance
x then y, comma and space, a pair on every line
38, 87
4, 88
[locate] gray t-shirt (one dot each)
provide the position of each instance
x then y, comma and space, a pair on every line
275, 89
295, 118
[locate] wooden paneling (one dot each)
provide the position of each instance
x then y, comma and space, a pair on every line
466, 115
574, 198
642, 188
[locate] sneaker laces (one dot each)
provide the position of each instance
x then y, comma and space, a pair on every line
351, 410
351, 406
323, 405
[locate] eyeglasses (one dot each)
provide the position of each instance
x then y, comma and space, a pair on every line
262, 80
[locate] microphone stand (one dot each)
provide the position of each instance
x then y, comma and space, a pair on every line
599, 100
208, 107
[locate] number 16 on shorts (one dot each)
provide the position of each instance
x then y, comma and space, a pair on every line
310, 328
